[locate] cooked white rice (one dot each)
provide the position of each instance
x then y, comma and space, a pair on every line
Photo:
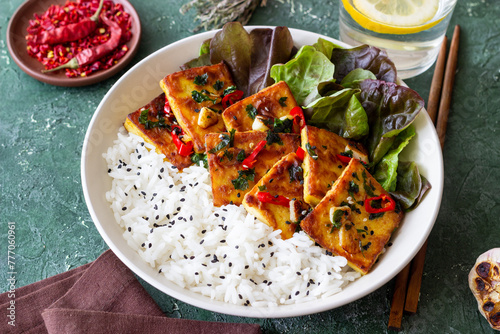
220, 252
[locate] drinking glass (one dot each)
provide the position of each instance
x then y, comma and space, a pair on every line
413, 49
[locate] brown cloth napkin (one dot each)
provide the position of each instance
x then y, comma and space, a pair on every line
99, 297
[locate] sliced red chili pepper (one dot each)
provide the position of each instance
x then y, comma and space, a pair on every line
343, 158
387, 204
184, 149
300, 153
250, 161
231, 98
266, 197
298, 112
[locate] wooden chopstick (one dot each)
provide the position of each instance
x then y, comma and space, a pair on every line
441, 93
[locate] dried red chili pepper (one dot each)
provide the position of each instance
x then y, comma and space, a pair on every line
90, 55
184, 149
250, 161
266, 197
69, 32
387, 204
231, 98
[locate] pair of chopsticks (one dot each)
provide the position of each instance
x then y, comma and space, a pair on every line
408, 281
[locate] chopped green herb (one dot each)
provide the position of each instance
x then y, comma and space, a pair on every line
282, 126
229, 155
311, 151
361, 230
336, 219
353, 188
241, 182
229, 90
226, 141
355, 175
196, 158
368, 188
262, 188
148, 124
282, 101
218, 85
373, 216
251, 111
273, 138
295, 173
201, 80
241, 156
202, 96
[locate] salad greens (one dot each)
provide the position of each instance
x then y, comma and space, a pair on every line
304, 72
351, 92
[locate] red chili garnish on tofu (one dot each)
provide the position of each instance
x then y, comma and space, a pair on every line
297, 112
266, 197
300, 153
386, 204
231, 98
250, 161
184, 149
343, 158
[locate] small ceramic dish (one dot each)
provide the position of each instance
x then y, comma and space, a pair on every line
16, 43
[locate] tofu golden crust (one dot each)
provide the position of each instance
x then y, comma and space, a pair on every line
362, 236
285, 179
272, 102
322, 165
230, 182
159, 137
179, 88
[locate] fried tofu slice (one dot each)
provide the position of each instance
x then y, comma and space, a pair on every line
160, 137
322, 163
230, 181
272, 102
354, 233
189, 91
284, 179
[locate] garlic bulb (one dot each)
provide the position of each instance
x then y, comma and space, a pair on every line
484, 282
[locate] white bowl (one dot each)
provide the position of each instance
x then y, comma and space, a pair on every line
140, 85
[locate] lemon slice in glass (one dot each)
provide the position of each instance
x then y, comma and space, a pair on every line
393, 16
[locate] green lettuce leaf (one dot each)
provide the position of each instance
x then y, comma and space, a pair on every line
411, 186
390, 109
340, 112
304, 72
386, 170
353, 78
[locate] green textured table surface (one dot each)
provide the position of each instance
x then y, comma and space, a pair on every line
42, 129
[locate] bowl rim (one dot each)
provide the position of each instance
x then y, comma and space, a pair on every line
283, 310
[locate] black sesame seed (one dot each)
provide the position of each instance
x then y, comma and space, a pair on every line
124, 208
191, 217
171, 186
150, 244
222, 277
162, 170
129, 229
182, 237
183, 199
240, 296
202, 241
297, 293
216, 214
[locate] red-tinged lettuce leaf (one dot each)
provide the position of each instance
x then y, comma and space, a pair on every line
271, 46
233, 45
365, 57
390, 109
250, 56
411, 186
